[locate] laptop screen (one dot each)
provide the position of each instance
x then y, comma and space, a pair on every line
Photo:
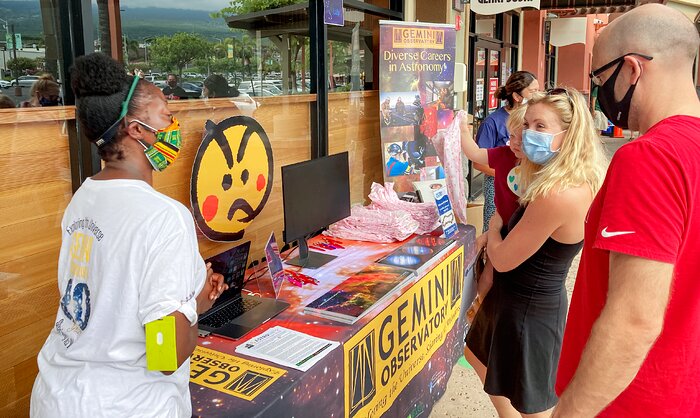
232, 265
274, 263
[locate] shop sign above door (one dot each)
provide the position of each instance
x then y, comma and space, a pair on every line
492, 7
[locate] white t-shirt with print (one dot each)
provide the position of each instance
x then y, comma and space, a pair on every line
129, 256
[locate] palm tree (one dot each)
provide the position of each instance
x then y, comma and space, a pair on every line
103, 26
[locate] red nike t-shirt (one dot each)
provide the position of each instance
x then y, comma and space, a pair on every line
649, 206
502, 160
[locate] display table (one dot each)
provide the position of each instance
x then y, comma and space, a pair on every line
395, 361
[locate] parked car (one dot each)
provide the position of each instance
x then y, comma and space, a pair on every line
256, 85
25, 80
192, 90
5, 84
259, 92
192, 75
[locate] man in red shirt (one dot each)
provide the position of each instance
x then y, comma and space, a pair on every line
632, 341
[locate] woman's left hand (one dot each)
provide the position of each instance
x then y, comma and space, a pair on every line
496, 222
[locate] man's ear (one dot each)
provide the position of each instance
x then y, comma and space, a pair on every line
635, 67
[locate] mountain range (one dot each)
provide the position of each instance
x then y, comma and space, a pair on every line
137, 23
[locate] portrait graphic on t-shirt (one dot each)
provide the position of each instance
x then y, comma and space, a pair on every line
75, 299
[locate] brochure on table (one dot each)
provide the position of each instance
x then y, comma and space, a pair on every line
358, 294
287, 348
447, 217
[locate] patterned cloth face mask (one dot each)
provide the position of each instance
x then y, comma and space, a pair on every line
165, 150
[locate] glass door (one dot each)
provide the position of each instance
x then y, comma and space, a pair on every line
487, 77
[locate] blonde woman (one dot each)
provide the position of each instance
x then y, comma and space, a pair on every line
515, 340
44, 92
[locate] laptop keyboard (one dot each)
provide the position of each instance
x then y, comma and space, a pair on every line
229, 312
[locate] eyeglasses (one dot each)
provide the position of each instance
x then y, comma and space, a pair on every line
109, 134
595, 74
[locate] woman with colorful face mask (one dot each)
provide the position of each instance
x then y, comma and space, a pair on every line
129, 257
515, 339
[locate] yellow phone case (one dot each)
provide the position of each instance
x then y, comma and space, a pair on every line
161, 347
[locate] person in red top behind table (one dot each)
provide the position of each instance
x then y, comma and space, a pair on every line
632, 341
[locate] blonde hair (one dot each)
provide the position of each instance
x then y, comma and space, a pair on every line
580, 159
46, 85
514, 124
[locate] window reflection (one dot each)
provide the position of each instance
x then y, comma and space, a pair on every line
31, 66
255, 54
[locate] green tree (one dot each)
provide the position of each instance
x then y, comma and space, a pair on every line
20, 65
174, 52
238, 7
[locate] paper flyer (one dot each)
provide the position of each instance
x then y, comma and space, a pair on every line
447, 216
287, 348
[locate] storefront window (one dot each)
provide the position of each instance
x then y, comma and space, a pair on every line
486, 26
36, 186
349, 59
32, 70
260, 53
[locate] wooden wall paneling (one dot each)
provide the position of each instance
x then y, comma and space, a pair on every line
353, 120
34, 192
286, 123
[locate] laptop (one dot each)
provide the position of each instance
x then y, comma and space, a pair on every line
274, 265
235, 314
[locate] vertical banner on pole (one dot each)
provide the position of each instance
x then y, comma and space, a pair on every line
333, 12
416, 96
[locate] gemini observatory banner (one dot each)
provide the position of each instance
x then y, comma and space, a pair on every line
416, 96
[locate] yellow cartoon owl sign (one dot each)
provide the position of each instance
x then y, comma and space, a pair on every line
231, 177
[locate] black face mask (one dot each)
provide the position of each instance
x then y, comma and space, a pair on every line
617, 112
43, 101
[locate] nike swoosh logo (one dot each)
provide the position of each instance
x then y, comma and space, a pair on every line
607, 234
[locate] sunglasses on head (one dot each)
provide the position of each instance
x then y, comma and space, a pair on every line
560, 91
109, 134
595, 74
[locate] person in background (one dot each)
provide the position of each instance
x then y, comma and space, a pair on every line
129, 256
6, 102
507, 188
216, 86
515, 339
632, 341
44, 92
172, 91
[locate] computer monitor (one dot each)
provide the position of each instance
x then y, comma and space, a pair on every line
315, 193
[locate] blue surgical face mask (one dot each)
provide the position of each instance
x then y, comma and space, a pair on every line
537, 146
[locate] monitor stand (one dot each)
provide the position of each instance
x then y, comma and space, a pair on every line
309, 259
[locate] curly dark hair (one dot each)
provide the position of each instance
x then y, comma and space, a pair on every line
516, 83
101, 85
217, 86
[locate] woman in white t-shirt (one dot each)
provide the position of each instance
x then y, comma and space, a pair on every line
129, 256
